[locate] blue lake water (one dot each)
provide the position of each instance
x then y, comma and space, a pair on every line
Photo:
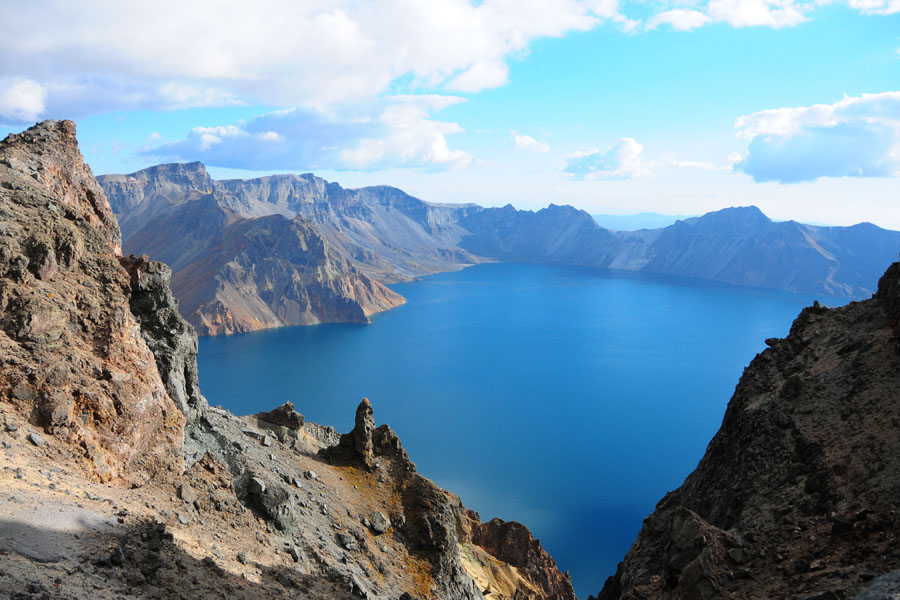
568, 398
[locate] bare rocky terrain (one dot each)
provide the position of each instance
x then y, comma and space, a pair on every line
117, 480
797, 495
233, 274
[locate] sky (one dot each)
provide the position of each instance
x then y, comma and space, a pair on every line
672, 106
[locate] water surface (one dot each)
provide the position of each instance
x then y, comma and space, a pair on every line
568, 398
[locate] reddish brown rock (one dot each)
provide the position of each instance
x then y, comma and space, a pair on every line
73, 358
512, 543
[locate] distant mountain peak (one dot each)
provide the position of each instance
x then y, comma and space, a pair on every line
746, 218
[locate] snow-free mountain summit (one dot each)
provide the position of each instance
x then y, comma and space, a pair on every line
296, 249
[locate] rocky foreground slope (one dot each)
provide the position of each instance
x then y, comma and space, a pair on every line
797, 495
119, 481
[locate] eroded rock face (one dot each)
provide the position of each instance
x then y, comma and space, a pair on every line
797, 493
512, 543
235, 274
171, 339
73, 356
465, 555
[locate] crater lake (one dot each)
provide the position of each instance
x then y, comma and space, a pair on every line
570, 399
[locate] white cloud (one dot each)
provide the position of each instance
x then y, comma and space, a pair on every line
482, 75
854, 137
693, 164
100, 55
104, 55
411, 139
740, 13
679, 19
183, 95
526, 142
403, 134
21, 99
622, 161
747, 13
876, 7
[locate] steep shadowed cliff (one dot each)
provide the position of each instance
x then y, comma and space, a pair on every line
797, 494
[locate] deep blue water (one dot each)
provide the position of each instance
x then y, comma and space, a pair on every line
568, 398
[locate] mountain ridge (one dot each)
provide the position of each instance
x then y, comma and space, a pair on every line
388, 235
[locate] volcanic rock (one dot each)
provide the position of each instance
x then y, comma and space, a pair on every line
805, 471
75, 357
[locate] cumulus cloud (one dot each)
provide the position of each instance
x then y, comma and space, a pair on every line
403, 134
526, 142
679, 19
21, 99
622, 161
686, 16
100, 55
748, 13
103, 55
876, 7
854, 137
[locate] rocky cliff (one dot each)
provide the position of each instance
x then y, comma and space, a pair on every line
388, 235
797, 494
119, 481
235, 274
74, 359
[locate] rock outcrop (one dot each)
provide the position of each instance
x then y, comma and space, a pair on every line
74, 357
467, 558
119, 481
797, 494
171, 339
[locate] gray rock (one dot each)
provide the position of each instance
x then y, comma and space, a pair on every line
172, 340
346, 541
379, 522
252, 433
187, 493
886, 587
35, 438
273, 500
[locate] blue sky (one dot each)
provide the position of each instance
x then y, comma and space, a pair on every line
674, 106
